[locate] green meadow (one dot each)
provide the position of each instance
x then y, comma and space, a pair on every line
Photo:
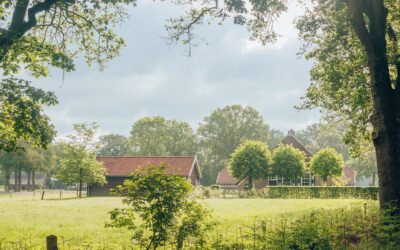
80, 223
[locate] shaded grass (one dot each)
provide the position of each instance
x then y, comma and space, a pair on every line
77, 221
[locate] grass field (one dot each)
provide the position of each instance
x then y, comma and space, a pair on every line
28, 220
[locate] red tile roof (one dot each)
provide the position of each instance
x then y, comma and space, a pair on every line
290, 139
123, 166
225, 178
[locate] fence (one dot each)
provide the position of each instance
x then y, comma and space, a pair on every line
45, 194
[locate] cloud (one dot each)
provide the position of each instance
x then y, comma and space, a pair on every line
151, 78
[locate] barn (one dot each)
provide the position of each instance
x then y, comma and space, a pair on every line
118, 169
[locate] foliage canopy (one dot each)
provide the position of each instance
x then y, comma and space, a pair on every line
79, 164
162, 204
327, 163
288, 162
21, 115
223, 131
251, 160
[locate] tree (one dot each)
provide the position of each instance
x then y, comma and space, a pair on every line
223, 131
158, 136
79, 164
114, 145
21, 115
288, 162
158, 209
354, 45
365, 165
326, 133
181, 138
356, 76
37, 35
327, 163
274, 138
14, 161
251, 160
28, 159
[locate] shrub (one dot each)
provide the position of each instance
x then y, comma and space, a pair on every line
298, 192
159, 209
287, 192
388, 230
215, 187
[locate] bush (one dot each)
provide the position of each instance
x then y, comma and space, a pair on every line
284, 192
215, 187
388, 230
297, 192
159, 210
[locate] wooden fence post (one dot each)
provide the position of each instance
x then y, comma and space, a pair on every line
51, 242
42, 195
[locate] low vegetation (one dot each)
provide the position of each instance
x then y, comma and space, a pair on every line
295, 192
159, 211
80, 224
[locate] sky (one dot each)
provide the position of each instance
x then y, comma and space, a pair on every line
152, 78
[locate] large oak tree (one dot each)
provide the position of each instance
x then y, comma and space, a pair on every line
357, 74
222, 132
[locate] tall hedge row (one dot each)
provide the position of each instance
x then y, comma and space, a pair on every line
287, 192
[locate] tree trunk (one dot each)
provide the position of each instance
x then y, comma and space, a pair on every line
386, 97
250, 183
80, 183
16, 178
7, 176
29, 181
33, 180
373, 179
19, 179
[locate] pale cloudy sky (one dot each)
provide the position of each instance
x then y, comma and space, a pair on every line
151, 78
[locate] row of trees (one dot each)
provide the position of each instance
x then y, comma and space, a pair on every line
72, 161
253, 160
215, 140
221, 133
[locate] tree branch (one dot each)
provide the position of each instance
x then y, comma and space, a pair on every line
359, 25
33, 11
19, 14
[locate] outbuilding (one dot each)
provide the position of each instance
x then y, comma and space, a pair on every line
118, 169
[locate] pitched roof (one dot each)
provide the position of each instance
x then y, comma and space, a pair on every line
123, 166
225, 178
290, 139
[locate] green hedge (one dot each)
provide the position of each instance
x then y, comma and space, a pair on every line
288, 192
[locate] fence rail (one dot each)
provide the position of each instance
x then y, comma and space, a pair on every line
45, 194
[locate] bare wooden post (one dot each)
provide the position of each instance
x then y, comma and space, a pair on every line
51, 242
42, 195
60, 193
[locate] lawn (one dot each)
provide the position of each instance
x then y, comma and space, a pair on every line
25, 220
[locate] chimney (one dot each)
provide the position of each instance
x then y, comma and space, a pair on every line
291, 132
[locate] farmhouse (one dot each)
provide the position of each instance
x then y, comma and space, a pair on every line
118, 169
226, 181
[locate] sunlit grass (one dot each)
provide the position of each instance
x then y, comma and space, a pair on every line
75, 221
